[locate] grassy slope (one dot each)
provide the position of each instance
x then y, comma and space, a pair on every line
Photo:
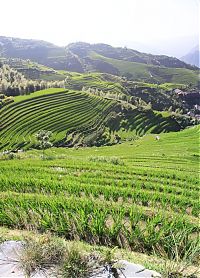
178, 148
161, 96
143, 71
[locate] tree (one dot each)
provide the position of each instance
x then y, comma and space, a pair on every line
43, 137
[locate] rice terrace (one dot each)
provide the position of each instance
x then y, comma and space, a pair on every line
99, 161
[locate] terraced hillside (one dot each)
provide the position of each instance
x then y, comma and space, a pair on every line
161, 97
105, 83
142, 195
57, 110
75, 118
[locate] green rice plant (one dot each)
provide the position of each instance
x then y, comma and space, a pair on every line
146, 203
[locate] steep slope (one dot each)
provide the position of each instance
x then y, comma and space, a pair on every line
150, 73
166, 96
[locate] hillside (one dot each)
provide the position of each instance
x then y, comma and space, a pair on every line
32, 70
125, 54
75, 118
84, 57
40, 51
147, 72
57, 110
161, 97
119, 171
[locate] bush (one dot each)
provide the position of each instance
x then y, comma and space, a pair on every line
52, 255
76, 265
41, 253
103, 159
7, 155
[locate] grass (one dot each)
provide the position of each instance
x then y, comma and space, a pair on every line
109, 86
164, 86
41, 253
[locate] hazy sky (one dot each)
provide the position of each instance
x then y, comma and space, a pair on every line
108, 21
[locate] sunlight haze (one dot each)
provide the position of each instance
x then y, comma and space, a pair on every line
115, 22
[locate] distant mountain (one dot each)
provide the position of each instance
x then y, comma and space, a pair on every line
83, 50
175, 47
192, 57
84, 57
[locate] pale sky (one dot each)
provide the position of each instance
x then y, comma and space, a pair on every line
107, 21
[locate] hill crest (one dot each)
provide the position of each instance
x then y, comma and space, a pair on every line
36, 50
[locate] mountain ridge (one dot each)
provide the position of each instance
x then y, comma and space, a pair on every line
12, 47
85, 58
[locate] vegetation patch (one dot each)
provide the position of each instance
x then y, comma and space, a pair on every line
112, 160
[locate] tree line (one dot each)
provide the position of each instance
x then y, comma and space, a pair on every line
13, 83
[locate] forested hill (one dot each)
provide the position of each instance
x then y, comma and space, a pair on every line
84, 57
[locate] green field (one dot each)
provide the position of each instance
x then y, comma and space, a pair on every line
143, 194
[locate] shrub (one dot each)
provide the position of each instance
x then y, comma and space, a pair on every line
41, 253
50, 254
7, 155
76, 265
103, 159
